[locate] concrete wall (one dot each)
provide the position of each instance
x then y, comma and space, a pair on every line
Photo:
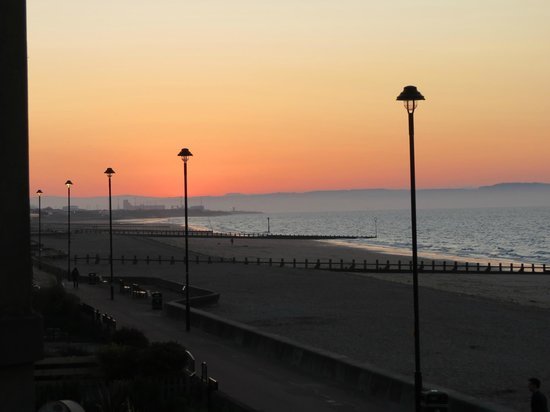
396, 391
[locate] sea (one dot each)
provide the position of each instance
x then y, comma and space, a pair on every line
506, 235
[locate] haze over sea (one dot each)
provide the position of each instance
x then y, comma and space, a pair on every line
488, 234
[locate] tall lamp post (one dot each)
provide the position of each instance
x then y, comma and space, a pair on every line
410, 97
39, 193
185, 154
68, 183
110, 172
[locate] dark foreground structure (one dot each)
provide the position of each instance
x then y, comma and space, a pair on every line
20, 329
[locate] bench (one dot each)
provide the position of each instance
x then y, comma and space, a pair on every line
138, 291
123, 288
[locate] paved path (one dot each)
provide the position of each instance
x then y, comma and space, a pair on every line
258, 382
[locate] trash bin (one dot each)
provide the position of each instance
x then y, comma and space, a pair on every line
92, 278
156, 300
434, 401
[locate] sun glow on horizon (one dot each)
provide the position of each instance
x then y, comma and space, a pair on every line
285, 96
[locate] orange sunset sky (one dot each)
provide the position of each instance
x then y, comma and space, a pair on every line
286, 95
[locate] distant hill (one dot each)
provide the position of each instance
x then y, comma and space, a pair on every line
498, 195
517, 186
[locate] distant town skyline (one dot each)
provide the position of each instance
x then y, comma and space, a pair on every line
285, 96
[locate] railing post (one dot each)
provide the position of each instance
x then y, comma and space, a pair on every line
122, 259
433, 265
160, 260
544, 267
444, 266
282, 262
478, 266
511, 267
197, 259
399, 265
306, 263
342, 264
294, 262
533, 267
246, 261
270, 261
330, 264
365, 265
500, 267
210, 260
172, 260
258, 261
148, 259
377, 265
467, 266
135, 261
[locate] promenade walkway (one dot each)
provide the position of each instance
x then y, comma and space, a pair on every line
258, 382
481, 335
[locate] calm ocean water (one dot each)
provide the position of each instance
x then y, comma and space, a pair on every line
490, 234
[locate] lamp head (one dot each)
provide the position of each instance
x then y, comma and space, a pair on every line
409, 96
109, 172
68, 183
185, 154
39, 192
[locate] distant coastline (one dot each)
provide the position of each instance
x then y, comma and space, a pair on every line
498, 195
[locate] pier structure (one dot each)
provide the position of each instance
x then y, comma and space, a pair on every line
209, 234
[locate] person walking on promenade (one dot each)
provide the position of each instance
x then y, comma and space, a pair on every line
538, 400
75, 274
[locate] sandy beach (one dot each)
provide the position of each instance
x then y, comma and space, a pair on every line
482, 335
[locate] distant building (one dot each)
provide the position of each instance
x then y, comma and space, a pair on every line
126, 205
73, 208
197, 208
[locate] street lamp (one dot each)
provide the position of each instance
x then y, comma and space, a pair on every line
39, 193
110, 172
185, 154
410, 96
68, 183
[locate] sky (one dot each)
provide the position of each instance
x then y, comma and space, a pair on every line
286, 95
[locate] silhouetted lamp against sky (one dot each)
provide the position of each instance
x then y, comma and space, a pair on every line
68, 183
39, 193
185, 154
110, 172
410, 97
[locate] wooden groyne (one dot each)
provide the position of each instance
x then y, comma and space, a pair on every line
371, 266
212, 234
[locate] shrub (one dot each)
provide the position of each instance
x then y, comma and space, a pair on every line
130, 337
55, 302
163, 359
119, 361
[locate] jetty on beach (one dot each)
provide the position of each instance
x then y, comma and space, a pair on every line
170, 232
